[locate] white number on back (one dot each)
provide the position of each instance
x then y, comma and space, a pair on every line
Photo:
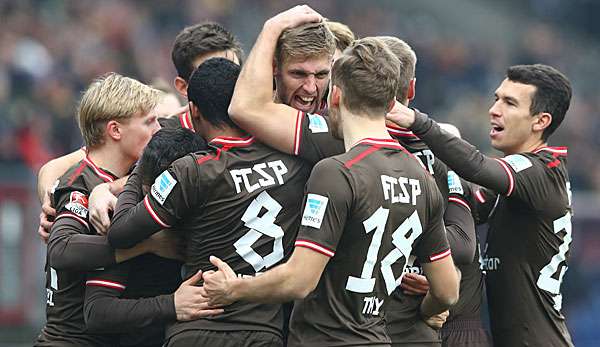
263, 225
545, 281
403, 247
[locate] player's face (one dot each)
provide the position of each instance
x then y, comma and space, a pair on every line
510, 118
181, 84
136, 133
301, 84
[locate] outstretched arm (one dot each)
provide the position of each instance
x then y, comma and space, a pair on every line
293, 280
468, 162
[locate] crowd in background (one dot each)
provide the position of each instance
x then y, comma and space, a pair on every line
52, 48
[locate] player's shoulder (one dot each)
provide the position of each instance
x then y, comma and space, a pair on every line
541, 159
80, 177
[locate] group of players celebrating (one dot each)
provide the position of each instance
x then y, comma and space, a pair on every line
299, 201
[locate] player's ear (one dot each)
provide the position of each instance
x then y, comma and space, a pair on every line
181, 86
113, 130
336, 95
412, 89
541, 121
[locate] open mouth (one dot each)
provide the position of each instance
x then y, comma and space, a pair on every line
496, 129
304, 103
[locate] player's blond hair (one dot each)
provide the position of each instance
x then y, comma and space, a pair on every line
342, 34
407, 57
312, 40
368, 75
112, 97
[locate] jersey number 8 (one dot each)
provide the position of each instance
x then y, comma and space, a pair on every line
263, 225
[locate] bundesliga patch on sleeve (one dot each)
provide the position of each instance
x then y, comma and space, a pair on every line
317, 124
314, 210
454, 185
518, 162
162, 187
78, 204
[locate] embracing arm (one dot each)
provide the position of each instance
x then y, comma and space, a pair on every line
55, 168
289, 281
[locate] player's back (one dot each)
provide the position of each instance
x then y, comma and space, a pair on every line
389, 211
245, 205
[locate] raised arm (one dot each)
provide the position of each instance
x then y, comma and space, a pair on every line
252, 106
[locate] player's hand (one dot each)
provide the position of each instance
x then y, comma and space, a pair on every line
167, 244
414, 284
294, 17
401, 115
100, 204
190, 301
46, 218
218, 283
438, 320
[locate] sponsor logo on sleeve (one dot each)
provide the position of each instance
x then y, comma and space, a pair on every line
454, 185
317, 124
78, 204
314, 210
518, 162
162, 187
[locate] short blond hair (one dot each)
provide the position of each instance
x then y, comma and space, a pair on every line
342, 34
112, 97
368, 75
408, 58
311, 40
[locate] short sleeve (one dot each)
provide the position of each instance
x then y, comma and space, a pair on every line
313, 138
327, 202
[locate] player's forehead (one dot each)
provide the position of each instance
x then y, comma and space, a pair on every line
516, 90
309, 65
227, 54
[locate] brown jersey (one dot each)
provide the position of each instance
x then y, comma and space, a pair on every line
134, 299
65, 288
527, 251
313, 142
239, 201
367, 209
530, 234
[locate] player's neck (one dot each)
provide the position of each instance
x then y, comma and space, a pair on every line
109, 157
211, 133
358, 127
526, 147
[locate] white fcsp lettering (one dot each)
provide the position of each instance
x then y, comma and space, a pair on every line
396, 190
426, 156
257, 176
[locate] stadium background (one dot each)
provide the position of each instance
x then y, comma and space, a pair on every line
51, 49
